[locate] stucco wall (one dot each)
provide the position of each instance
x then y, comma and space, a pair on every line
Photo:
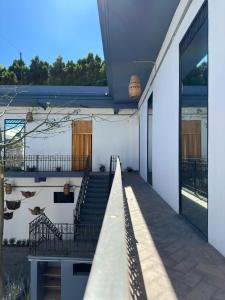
112, 134
18, 226
165, 90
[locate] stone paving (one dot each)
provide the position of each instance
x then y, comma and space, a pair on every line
176, 262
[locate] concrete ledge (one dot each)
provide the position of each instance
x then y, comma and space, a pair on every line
109, 274
43, 174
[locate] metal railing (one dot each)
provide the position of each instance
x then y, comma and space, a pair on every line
194, 176
59, 239
112, 169
81, 198
47, 163
109, 277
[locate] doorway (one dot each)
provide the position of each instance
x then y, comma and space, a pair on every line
149, 145
81, 145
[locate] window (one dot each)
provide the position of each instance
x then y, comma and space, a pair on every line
14, 154
59, 197
194, 122
82, 269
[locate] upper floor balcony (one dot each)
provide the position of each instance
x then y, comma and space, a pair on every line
46, 165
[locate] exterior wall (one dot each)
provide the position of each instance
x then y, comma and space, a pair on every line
165, 88
18, 226
72, 284
117, 135
216, 216
112, 134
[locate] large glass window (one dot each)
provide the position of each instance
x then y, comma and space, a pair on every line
194, 122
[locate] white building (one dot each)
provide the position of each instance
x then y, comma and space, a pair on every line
173, 134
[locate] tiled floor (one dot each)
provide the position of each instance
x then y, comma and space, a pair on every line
176, 262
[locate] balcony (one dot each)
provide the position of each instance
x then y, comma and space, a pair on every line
46, 165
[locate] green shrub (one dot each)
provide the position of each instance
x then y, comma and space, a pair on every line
5, 242
18, 243
12, 241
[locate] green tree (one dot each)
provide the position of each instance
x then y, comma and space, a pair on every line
20, 69
57, 72
38, 71
89, 70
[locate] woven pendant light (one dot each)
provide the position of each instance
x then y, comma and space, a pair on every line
134, 87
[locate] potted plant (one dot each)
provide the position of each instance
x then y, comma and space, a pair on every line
102, 168
12, 241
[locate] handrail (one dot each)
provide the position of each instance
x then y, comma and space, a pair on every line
81, 198
109, 277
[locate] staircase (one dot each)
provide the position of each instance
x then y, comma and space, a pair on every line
93, 208
51, 283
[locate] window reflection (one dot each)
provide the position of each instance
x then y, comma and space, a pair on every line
14, 154
194, 124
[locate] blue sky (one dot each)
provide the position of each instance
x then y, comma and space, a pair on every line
48, 28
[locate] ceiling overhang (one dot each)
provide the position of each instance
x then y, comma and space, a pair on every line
132, 33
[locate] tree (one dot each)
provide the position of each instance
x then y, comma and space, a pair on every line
20, 70
89, 70
38, 71
57, 72
47, 125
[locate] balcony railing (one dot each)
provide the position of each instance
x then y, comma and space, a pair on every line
109, 277
62, 239
46, 163
195, 176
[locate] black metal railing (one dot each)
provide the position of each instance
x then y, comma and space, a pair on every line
112, 169
81, 198
47, 163
62, 238
194, 176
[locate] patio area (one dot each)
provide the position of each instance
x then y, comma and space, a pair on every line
176, 262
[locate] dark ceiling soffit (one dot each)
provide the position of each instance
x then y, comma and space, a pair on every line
75, 103
103, 17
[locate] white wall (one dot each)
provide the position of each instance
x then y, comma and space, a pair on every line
217, 124
112, 134
18, 226
117, 135
165, 88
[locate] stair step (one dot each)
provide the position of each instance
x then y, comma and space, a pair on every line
92, 205
91, 219
52, 295
53, 272
91, 211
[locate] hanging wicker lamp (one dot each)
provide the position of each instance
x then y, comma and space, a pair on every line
134, 87
13, 205
66, 189
28, 194
29, 117
8, 188
8, 215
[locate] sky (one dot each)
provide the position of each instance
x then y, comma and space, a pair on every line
48, 28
